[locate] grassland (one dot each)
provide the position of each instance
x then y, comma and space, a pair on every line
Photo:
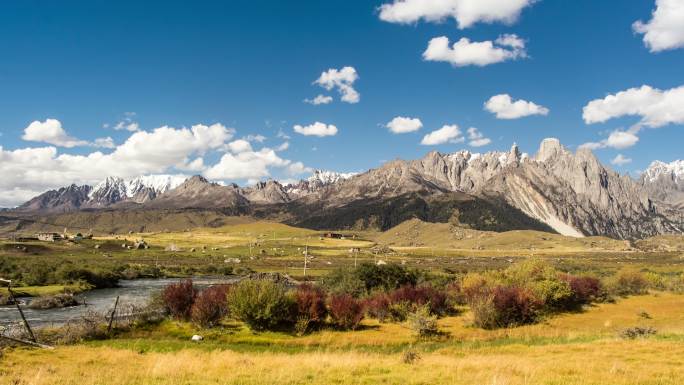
579, 348
571, 348
247, 245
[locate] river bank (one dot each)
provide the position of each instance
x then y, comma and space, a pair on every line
130, 292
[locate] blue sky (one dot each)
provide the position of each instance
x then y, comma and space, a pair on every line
249, 65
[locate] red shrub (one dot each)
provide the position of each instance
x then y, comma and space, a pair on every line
179, 297
514, 306
346, 311
417, 296
378, 306
210, 306
311, 303
584, 289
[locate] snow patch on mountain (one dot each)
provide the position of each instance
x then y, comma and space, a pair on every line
329, 177
674, 170
129, 188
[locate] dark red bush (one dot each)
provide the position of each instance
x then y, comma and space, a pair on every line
515, 306
584, 289
346, 311
311, 304
210, 306
179, 297
418, 296
378, 306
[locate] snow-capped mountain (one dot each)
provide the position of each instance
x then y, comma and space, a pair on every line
328, 177
671, 171
318, 180
571, 193
665, 182
139, 190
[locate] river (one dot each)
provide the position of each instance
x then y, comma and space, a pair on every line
136, 292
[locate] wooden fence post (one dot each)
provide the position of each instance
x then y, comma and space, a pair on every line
111, 317
21, 313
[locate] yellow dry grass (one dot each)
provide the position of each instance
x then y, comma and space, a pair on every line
261, 232
570, 349
604, 362
415, 234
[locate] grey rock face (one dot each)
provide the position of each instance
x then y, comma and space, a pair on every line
58, 201
572, 193
665, 182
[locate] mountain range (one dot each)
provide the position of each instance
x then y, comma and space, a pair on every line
554, 190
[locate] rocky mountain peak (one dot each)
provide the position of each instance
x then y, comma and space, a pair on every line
514, 155
549, 148
665, 182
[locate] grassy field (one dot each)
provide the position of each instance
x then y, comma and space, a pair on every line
570, 348
37, 291
266, 246
580, 348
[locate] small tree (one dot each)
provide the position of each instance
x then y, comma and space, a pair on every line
210, 306
346, 311
178, 298
311, 310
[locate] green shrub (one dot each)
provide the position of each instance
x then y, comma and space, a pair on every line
261, 304
422, 322
543, 281
368, 277
344, 281
99, 279
386, 277
627, 282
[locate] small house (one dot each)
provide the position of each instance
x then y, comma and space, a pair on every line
333, 235
49, 237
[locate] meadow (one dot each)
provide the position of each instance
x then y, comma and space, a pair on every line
584, 345
577, 348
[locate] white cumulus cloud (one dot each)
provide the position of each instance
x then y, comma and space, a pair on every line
127, 123
465, 12
51, 131
446, 134
479, 53
402, 125
620, 160
252, 165
617, 139
320, 99
665, 30
505, 108
316, 129
27, 172
656, 107
107, 142
477, 138
343, 81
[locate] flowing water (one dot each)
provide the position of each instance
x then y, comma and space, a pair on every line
135, 292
